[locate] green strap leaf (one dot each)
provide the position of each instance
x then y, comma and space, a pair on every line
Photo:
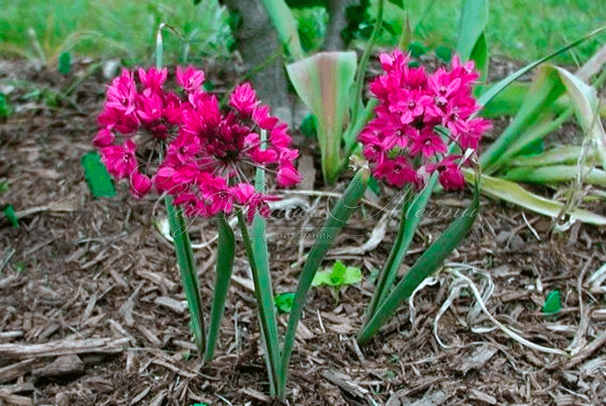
497, 88
555, 174
286, 26
337, 219
97, 178
426, 265
256, 247
516, 194
226, 247
566, 154
324, 82
472, 34
189, 274
473, 22
409, 223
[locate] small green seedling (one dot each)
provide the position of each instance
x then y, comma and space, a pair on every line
98, 179
552, 303
284, 302
340, 275
9, 213
65, 63
5, 109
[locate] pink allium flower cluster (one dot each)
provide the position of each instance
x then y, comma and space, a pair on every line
206, 152
417, 115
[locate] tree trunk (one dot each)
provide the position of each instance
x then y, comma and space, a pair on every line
336, 24
257, 41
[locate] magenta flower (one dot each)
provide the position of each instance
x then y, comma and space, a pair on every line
190, 79
244, 99
207, 154
152, 78
120, 160
418, 115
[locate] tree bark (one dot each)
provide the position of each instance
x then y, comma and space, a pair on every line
257, 41
336, 24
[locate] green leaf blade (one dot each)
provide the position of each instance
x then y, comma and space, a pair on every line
427, 264
324, 82
335, 222
226, 245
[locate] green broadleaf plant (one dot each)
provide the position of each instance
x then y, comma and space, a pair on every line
9, 214
330, 85
284, 302
97, 178
323, 82
552, 303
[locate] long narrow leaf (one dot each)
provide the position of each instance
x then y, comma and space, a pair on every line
513, 193
426, 265
324, 82
283, 21
497, 88
264, 290
556, 173
559, 155
226, 246
545, 89
337, 219
189, 274
542, 126
472, 42
408, 226
473, 22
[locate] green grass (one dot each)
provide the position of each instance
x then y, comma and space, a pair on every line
518, 29
111, 28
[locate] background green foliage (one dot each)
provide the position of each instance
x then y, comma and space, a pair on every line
518, 29
127, 28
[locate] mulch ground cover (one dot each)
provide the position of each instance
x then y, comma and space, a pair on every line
92, 312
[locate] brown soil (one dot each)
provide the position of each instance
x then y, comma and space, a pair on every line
86, 268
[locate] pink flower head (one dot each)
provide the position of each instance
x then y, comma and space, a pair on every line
190, 79
205, 150
417, 115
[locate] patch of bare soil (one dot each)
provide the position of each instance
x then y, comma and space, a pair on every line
91, 309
